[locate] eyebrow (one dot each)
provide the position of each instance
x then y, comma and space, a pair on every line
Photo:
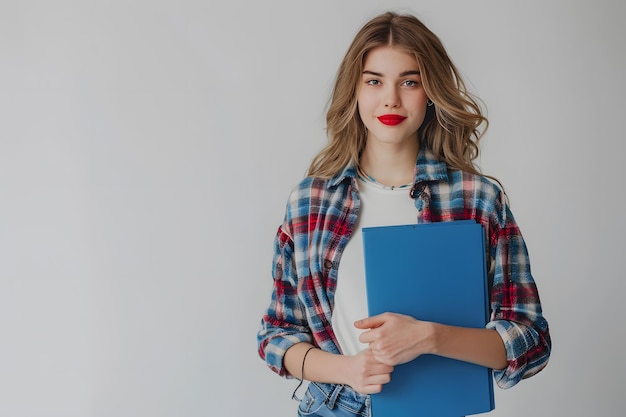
402, 74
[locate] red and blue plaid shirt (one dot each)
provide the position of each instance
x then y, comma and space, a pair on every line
319, 220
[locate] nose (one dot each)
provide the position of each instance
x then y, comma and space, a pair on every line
392, 98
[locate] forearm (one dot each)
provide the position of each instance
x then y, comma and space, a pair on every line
480, 346
319, 366
362, 371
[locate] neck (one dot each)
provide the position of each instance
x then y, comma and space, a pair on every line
392, 167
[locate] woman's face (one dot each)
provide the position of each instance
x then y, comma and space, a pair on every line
391, 97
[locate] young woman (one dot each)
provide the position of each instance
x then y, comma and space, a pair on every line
403, 134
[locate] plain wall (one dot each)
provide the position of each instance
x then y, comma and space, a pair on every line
147, 149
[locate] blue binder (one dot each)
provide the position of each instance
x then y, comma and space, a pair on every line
434, 272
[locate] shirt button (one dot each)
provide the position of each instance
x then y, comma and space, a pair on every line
328, 264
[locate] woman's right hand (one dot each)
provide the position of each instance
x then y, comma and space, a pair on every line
366, 375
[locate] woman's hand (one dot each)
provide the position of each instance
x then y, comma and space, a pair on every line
367, 375
395, 339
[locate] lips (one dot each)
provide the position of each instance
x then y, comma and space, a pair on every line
391, 119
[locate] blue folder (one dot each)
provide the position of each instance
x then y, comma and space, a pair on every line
433, 272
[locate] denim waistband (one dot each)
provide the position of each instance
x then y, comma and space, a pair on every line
344, 396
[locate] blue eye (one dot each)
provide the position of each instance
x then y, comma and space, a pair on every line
373, 82
410, 83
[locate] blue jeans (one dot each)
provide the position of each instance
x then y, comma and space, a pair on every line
329, 400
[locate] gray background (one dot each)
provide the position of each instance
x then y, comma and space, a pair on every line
147, 149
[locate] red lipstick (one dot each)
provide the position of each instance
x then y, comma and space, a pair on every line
391, 119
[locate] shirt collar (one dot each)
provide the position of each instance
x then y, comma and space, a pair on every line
349, 172
428, 167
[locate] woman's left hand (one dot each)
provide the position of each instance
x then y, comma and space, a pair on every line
395, 339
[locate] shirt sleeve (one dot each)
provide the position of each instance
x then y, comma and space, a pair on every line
284, 322
516, 312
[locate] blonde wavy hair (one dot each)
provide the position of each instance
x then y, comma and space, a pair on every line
452, 132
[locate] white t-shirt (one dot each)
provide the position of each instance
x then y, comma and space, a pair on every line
379, 207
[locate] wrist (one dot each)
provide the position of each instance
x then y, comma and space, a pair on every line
438, 338
343, 365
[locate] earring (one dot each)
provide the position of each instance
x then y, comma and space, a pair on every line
429, 103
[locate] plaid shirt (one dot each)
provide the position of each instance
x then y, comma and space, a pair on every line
319, 220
